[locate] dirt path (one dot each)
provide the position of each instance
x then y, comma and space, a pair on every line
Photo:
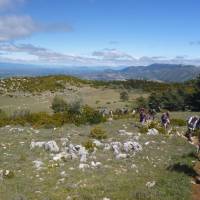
196, 187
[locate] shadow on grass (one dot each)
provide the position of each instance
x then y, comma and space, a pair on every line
183, 168
191, 155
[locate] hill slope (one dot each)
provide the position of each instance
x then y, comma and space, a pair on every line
159, 72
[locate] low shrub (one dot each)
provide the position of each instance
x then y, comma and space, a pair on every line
75, 107
45, 120
59, 105
98, 133
8, 174
124, 96
178, 122
92, 116
143, 129
89, 145
161, 130
153, 124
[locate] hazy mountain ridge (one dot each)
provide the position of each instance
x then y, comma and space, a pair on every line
158, 72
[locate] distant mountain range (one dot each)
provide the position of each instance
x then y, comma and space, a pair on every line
157, 72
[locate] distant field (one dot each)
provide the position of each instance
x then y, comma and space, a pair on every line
94, 97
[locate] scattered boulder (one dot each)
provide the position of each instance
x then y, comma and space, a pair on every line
107, 147
116, 147
38, 164
78, 150
121, 156
95, 164
83, 166
51, 146
150, 184
8, 174
64, 141
124, 132
132, 147
37, 144
152, 131
98, 143
61, 156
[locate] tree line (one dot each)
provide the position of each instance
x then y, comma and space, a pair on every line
185, 97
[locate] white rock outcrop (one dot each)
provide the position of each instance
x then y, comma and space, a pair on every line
51, 146
83, 166
37, 144
38, 164
78, 151
132, 147
48, 146
152, 131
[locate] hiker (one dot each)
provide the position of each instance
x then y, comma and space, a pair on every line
165, 119
152, 114
143, 116
193, 124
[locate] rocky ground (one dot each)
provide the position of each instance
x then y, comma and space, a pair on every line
47, 164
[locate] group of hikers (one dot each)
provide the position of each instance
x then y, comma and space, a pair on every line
193, 123
149, 115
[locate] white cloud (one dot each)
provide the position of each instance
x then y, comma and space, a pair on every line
112, 54
10, 4
17, 27
12, 52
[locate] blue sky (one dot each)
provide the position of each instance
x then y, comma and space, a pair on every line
100, 32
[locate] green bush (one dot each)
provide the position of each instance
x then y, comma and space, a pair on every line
59, 105
75, 115
154, 124
143, 129
89, 145
92, 116
98, 133
124, 96
75, 107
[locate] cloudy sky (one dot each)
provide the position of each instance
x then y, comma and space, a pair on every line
100, 32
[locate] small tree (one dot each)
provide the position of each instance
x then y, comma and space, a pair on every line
194, 99
124, 96
141, 102
75, 107
59, 105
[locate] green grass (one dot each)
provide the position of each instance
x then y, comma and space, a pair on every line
115, 179
167, 159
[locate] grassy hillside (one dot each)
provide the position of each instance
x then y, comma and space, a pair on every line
161, 162
159, 167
